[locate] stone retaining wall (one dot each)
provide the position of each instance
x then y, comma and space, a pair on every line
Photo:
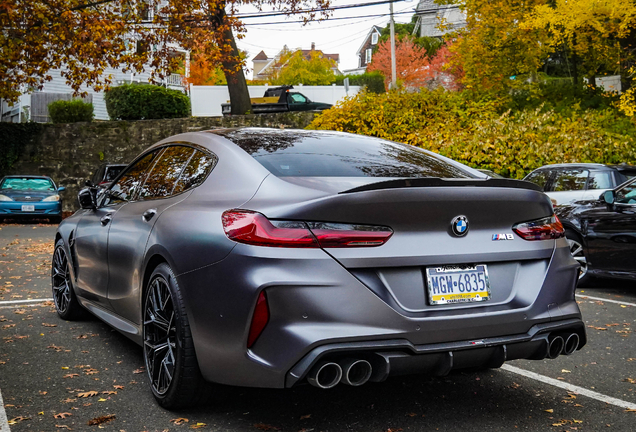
70, 153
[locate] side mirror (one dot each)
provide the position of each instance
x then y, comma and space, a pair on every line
61, 189
608, 197
86, 198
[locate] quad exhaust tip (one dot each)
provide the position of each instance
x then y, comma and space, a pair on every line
355, 372
571, 344
325, 375
555, 346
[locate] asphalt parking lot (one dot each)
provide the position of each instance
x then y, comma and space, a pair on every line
58, 375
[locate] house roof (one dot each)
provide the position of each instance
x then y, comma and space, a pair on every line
334, 57
373, 29
426, 7
261, 56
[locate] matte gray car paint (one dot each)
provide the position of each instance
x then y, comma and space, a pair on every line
327, 297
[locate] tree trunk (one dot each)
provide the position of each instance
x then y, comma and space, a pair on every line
236, 84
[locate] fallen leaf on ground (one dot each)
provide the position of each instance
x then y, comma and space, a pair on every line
549, 410
100, 420
198, 426
118, 387
179, 421
630, 410
62, 415
90, 393
630, 380
18, 419
70, 375
305, 417
109, 392
63, 427
138, 371
48, 325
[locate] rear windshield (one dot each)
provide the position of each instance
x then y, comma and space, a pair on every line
25, 183
293, 153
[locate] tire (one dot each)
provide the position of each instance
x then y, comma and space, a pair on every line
578, 253
66, 303
171, 362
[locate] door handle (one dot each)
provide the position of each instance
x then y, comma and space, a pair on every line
149, 214
105, 219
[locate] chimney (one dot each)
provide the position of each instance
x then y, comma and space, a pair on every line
313, 46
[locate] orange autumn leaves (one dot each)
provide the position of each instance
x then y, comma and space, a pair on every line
415, 68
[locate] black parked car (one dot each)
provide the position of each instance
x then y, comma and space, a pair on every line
106, 173
602, 233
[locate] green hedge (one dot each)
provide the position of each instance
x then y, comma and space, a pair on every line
145, 101
15, 136
70, 111
373, 81
483, 133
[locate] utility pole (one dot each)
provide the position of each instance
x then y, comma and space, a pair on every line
393, 67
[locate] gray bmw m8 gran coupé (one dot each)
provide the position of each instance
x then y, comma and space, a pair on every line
271, 258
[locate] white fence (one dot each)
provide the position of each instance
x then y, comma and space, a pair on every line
206, 100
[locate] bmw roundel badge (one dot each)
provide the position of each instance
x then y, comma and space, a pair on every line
459, 225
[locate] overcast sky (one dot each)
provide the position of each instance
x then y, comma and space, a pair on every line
339, 36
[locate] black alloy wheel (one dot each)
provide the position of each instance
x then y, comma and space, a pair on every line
160, 335
64, 298
171, 363
578, 253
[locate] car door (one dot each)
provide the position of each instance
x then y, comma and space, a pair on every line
611, 233
91, 234
131, 227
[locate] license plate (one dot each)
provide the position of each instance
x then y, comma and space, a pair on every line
457, 284
28, 208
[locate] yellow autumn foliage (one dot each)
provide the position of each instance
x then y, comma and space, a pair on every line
481, 133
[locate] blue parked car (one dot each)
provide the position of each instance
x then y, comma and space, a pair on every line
30, 196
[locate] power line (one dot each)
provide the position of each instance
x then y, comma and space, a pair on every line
332, 8
328, 19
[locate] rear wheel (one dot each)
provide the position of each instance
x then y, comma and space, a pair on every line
171, 363
578, 253
66, 303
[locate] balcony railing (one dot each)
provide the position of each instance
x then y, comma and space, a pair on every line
174, 80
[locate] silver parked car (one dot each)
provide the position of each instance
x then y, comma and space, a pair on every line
272, 258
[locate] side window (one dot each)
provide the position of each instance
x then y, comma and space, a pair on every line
195, 172
570, 180
374, 38
297, 98
130, 183
368, 55
600, 180
540, 178
166, 172
627, 195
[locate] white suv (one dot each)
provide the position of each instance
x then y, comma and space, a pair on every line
565, 183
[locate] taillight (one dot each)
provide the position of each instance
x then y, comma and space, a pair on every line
259, 319
253, 228
335, 235
540, 229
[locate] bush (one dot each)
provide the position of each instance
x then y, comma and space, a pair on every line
73, 111
373, 81
145, 101
480, 132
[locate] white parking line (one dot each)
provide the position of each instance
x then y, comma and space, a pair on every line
605, 300
12, 302
4, 421
570, 387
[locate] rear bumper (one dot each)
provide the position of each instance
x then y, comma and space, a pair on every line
318, 308
400, 357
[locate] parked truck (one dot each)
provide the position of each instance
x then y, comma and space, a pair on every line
280, 99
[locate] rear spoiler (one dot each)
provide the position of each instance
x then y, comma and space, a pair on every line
439, 182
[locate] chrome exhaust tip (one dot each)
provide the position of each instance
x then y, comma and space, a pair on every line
355, 372
555, 347
571, 344
325, 375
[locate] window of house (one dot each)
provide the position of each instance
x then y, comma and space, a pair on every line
368, 55
374, 38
